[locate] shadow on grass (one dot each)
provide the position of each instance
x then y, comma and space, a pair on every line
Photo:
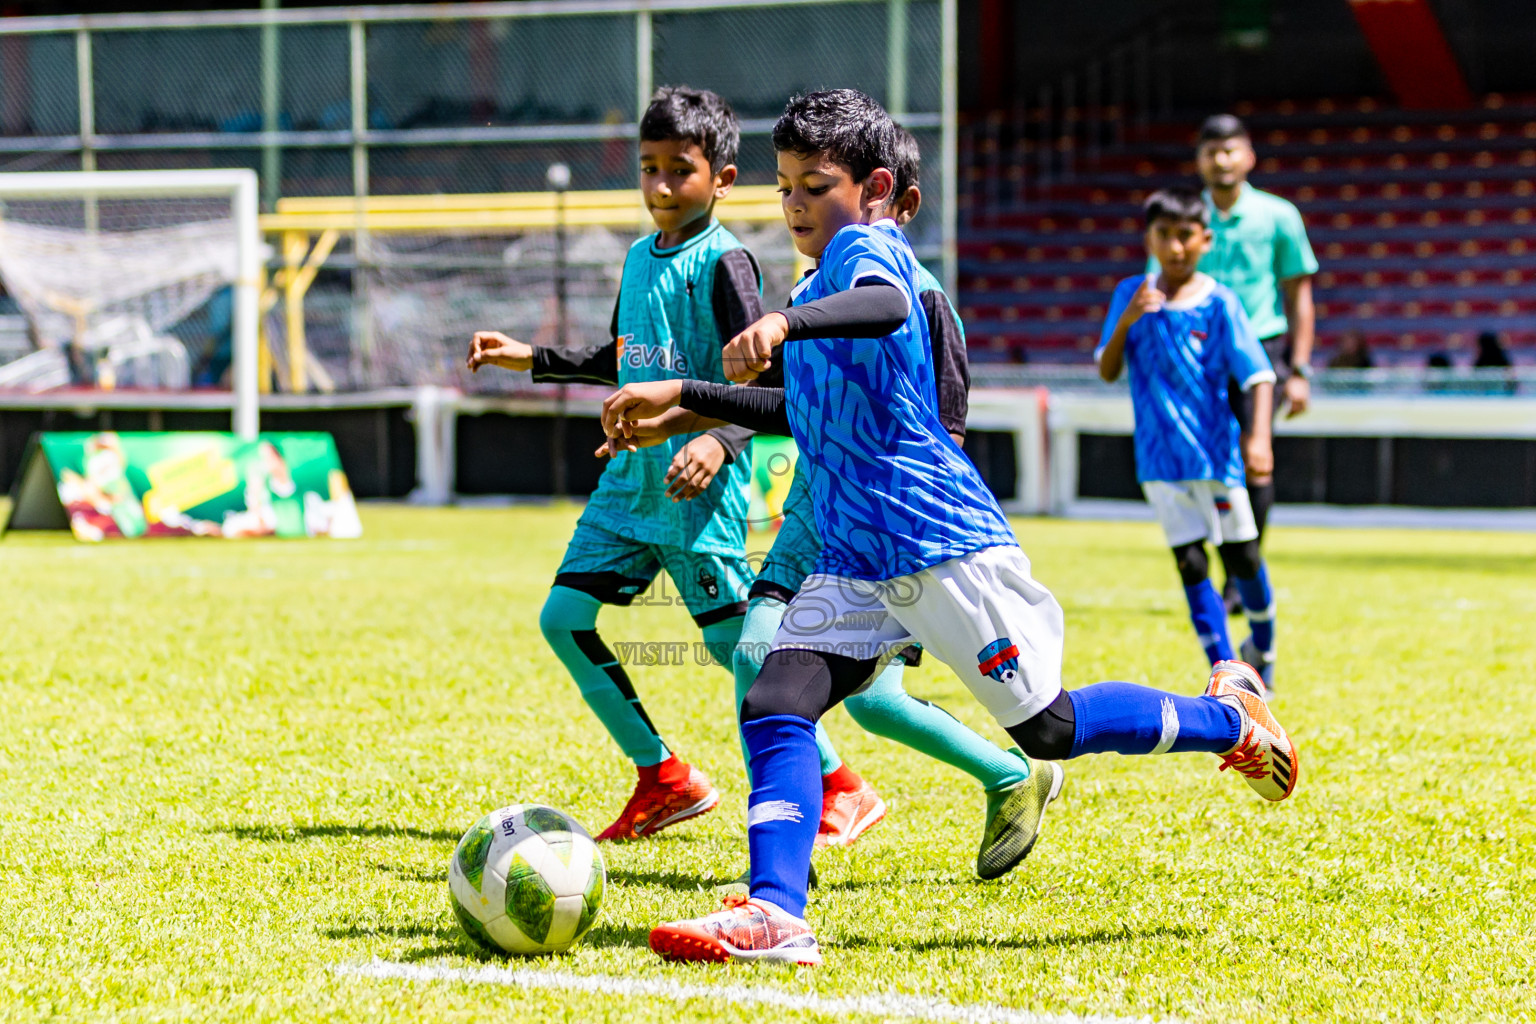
450, 941
437, 876
665, 879
294, 833
442, 932
1099, 936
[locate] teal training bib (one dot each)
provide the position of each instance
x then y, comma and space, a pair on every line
667, 331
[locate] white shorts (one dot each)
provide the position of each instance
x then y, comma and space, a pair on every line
982, 614
1192, 510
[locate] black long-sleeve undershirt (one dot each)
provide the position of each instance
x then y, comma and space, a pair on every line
761, 407
736, 303
757, 408
872, 309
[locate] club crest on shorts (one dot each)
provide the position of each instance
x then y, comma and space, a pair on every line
708, 583
1223, 504
1000, 660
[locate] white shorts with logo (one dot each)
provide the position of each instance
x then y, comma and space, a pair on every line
1192, 510
982, 614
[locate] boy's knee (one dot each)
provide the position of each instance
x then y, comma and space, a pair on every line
1049, 735
1194, 566
765, 701
1241, 560
566, 611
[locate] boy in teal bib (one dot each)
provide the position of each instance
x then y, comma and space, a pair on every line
686, 291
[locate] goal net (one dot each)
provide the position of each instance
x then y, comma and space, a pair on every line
407, 318
130, 279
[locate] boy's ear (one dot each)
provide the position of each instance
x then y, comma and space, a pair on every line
906, 205
879, 188
724, 179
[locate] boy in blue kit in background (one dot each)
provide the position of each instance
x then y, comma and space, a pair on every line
685, 291
915, 548
884, 708
1183, 335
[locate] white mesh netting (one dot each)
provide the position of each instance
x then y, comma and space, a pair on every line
103, 283
424, 295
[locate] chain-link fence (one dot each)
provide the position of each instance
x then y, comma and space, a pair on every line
416, 100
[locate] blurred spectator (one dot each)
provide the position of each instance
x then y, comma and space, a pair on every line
1354, 353
1489, 351
1436, 381
1491, 354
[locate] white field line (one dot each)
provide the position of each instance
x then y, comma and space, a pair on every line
875, 1005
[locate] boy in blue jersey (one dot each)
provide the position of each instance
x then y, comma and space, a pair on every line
884, 708
1183, 335
914, 548
686, 290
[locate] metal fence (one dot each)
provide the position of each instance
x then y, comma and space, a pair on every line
458, 98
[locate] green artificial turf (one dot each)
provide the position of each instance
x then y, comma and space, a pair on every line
228, 767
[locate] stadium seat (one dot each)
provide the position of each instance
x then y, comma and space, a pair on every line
1420, 219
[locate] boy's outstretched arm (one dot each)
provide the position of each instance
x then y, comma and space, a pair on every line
492, 348
595, 364
1146, 299
647, 433
688, 405
872, 309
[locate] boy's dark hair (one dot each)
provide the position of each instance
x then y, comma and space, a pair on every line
1176, 204
704, 118
1220, 128
906, 162
845, 124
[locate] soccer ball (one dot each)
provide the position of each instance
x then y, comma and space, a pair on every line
526, 879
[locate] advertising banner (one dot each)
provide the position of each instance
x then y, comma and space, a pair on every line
111, 485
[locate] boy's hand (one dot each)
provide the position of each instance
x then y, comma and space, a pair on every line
694, 468
642, 434
492, 348
751, 352
1298, 392
1258, 455
644, 400
1146, 300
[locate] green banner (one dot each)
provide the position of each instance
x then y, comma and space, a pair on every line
194, 484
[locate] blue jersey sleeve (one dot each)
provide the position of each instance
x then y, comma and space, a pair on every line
1246, 359
1117, 303
857, 253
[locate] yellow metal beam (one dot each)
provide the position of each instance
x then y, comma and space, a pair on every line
489, 221
497, 212
742, 195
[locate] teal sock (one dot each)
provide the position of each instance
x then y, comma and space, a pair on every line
887, 709
721, 638
569, 623
757, 631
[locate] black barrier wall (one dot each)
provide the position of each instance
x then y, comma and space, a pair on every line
502, 454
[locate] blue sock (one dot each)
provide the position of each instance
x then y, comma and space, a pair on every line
1209, 614
784, 810
569, 623
757, 631
1123, 718
1259, 606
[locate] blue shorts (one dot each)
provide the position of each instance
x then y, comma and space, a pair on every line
616, 570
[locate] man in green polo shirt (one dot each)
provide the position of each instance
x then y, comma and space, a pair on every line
1259, 250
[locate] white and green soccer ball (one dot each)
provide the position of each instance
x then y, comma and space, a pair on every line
526, 879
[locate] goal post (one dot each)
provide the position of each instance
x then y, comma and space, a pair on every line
89, 255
